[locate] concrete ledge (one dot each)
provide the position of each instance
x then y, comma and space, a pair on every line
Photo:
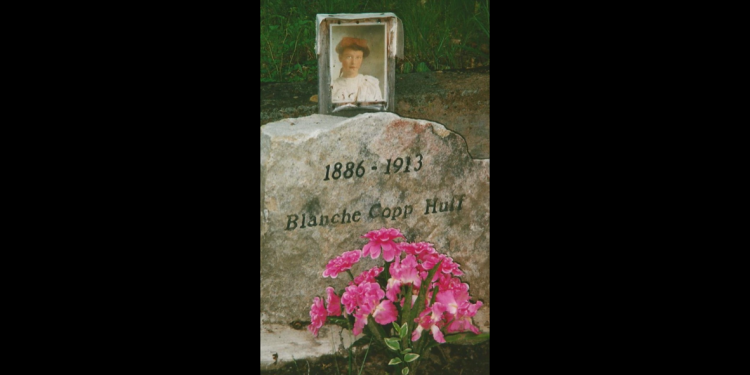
292, 344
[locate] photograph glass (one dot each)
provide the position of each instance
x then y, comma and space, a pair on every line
358, 65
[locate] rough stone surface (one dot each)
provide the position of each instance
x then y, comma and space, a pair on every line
294, 156
458, 99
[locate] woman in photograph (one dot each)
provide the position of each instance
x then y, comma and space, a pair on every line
351, 86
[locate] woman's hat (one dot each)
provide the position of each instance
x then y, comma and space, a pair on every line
354, 43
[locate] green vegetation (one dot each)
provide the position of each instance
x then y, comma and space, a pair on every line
438, 34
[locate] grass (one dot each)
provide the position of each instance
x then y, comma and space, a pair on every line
438, 34
297, 366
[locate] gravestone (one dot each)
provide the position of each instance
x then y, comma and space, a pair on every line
328, 180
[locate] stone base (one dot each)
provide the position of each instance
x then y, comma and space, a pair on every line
299, 345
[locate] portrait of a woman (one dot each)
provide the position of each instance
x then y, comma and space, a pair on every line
351, 85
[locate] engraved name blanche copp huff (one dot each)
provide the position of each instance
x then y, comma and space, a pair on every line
432, 206
351, 86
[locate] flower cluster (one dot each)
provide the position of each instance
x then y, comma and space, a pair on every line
342, 263
421, 291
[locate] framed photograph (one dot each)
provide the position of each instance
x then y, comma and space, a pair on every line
358, 61
356, 54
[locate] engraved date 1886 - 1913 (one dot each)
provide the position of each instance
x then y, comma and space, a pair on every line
393, 166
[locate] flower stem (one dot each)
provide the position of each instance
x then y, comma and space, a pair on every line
350, 346
350, 274
363, 360
405, 314
375, 329
419, 304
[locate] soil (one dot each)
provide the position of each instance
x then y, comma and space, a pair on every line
445, 359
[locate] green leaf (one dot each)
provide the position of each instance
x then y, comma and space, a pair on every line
392, 343
398, 329
363, 360
435, 291
411, 357
406, 311
406, 350
336, 319
407, 67
342, 322
385, 275
362, 340
405, 371
404, 331
467, 338
394, 361
423, 292
375, 328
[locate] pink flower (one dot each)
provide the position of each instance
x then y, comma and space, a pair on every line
451, 311
342, 263
371, 297
362, 298
385, 312
350, 298
437, 334
334, 303
459, 290
408, 247
359, 325
462, 321
428, 260
392, 289
382, 238
448, 299
317, 316
448, 266
407, 271
448, 282
402, 273
422, 250
432, 322
367, 276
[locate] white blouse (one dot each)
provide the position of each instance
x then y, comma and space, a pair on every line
361, 88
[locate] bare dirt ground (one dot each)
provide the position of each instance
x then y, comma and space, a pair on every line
446, 359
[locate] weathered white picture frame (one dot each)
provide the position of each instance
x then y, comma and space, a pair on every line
356, 62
